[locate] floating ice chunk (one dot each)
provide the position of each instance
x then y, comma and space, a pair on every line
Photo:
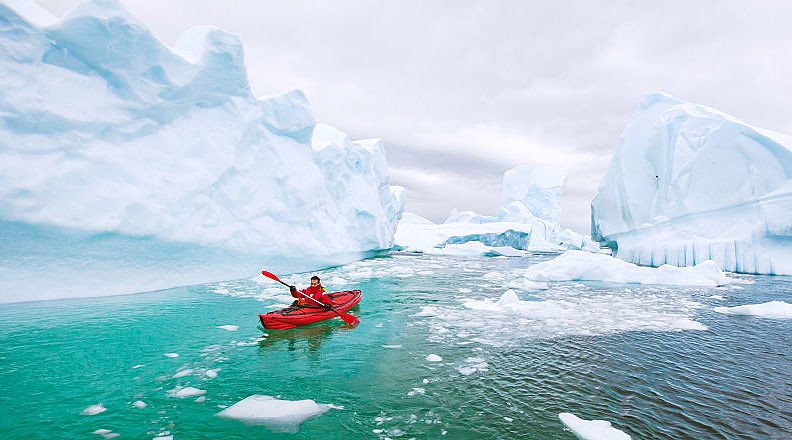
591, 429
171, 355
183, 373
201, 399
139, 404
473, 364
135, 367
184, 392
772, 309
231, 328
392, 346
433, 358
163, 437
93, 410
102, 431
276, 414
718, 297
211, 374
579, 265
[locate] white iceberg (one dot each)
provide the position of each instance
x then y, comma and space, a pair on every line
689, 183
276, 414
184, 392
772, 309
93, 410
591, 429
587, 266
528, 220
127, 165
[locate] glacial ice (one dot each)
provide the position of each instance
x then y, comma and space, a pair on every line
127, 165
276, 414
591, 429
93, 410
587, 266
184, 392
689, 183
527, 220
771, 309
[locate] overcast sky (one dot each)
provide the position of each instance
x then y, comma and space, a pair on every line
461, 91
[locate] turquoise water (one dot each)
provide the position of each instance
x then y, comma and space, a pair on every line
638, 356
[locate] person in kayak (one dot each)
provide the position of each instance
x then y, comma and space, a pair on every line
315, 291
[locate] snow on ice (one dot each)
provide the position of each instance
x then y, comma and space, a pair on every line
689, 183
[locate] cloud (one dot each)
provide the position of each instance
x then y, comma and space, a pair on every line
460, 91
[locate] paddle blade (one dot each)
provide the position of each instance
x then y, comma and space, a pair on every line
271, 276
349, 319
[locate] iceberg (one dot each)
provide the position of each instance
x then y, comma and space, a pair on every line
527, 220
127, 165
276, 414
689, 183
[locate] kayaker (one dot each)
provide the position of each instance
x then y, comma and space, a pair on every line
315, 291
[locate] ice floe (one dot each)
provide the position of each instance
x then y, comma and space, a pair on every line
772, 309
433, 358
276, 414
171, 355
416, 391
183, 373
184, 392
591, 429
139, 404
586, 266
93, 410
230, 328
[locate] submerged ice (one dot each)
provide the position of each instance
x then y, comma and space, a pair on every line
689, 183
117, 151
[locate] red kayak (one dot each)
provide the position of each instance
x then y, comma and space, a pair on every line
297, 316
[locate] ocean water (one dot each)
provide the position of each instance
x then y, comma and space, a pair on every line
656, 361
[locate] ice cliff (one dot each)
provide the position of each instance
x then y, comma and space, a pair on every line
128, 165
689, 183
528, 220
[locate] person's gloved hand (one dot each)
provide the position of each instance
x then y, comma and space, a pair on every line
292, 289
326, 306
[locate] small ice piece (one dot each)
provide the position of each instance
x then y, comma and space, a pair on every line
772, 309
211, 374
433, 358
718, 297
416, 391
102, 431
276, 414
135, 367
163, 437
230, 328
201, 399
184, 392
183, 373
139, 404
171, 355
111, 435
392, 346
93, 410
508, 419
591, 429
425, 381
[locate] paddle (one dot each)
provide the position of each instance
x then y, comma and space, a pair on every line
346, 317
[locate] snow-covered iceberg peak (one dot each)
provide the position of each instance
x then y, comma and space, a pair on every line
689, 183
104, 129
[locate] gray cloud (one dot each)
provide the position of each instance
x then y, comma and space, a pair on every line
462, 90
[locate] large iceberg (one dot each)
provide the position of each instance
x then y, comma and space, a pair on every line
689, 183
527, 220
128, 165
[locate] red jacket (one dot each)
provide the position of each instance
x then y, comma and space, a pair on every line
317, 293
